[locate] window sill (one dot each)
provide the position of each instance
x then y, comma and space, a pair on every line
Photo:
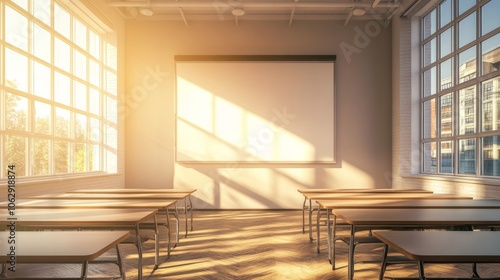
20, 181
454, 179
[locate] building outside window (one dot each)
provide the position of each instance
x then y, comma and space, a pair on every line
460, 92
58, 91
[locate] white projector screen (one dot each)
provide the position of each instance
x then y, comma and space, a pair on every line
255, 109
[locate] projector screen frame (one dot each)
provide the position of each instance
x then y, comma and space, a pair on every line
258, 58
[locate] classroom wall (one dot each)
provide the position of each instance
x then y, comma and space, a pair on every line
363, 108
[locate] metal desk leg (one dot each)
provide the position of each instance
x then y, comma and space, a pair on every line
186, 215
310, 220
85, 267
421, 272
474, 271
168, 232
303, 215
333, 239
351, 255
384, 262
318, 218
139, 252
157, 244
191, 210
120, 263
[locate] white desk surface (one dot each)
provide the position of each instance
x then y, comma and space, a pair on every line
92, 203
190, 191
60, 246
143, 196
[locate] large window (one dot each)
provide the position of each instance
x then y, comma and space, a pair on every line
460, 100
58, 91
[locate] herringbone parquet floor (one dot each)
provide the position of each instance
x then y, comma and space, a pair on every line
251, 245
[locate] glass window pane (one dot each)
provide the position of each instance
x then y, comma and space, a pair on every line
467, 156
447, 115
429, 158
429, 54
445, 12
62, 22
94, 102
80, 65
62, 123
464, 5
62, 89
490, 50
41, 80
446, 157
491, 156
467, 110
95, 129
95, 158
41, 10
111, 110
80, 96
94, 44
16, 112
430, 23
16, 29
446, 42
446, 74
43, 117
467, 30
15, 153
467, 65
80, 127
41, 43
430, 82
61, 157
16, 70
491, 104
40, 154
489, 16
80, 34
429, 118
79, 157
94, 72
62, 55
111, 56
111, 83
21, 3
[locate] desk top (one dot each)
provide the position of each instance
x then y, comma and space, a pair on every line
77, 217
92, 203
60, 246
143, 196
419, 216
373, 190
134, 191
410, 203
444, 246
378, 196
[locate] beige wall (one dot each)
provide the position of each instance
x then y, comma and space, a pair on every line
363, 108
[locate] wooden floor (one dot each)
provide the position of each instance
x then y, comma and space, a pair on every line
251, 245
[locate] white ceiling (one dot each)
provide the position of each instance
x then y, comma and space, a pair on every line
284, 10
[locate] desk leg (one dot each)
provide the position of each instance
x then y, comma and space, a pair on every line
120, 263
157, 244
333, 239
85, 267
351, 255
303, 215
310, 220
318, 219
474, 271
176, 214
421, 272
186, 215
384, 262
168, 232
191, 211
139, 252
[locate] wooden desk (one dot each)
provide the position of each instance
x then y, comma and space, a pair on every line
396, 203
443, 247
130, 196
160, 205
60, 247
317, 191
377, 218
111, 219
188, 204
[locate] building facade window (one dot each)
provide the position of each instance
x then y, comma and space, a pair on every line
58, 91
460, 89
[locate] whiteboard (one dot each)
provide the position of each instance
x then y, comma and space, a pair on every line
255, 109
